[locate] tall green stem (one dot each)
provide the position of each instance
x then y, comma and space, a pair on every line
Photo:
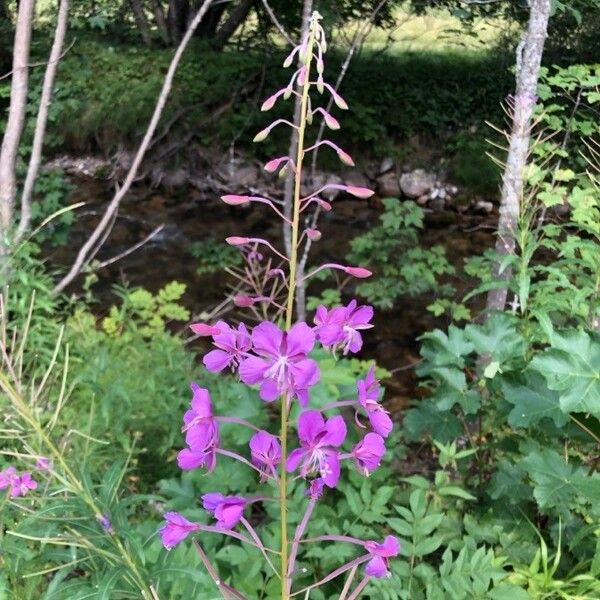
285, 587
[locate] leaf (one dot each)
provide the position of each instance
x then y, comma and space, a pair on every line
232, 554
509, 591
497, 338
454, 490
571, 366
532, 401
557, 483
428, 545
443, 426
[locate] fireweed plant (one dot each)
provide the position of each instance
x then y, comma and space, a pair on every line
277, 360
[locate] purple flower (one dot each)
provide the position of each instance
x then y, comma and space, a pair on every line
7, 476
21, 485
266, 452
201, 433
315, 488
228, 510
368, 393
43, 464
105, 523
378, 566
176, 529
281, 366
318, 440
232, 347
341, 326
368, 452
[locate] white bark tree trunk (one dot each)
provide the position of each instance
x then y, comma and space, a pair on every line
16, 119
529, 57
42, 118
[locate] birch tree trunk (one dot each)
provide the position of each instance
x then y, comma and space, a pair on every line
529, 58
16, 119
42, 118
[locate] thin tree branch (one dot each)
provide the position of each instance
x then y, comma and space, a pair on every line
277, 23
113, 206
130, 250
42, 118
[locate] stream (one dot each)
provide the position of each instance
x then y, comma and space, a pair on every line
188, 215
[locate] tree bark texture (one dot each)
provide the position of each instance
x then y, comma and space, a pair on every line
42, 117
236, 17
529, 57
16, 117
141, 21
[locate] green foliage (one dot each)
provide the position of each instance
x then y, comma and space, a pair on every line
214, 256
51, 194
400, 265
145, 312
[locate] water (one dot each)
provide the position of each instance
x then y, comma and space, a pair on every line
189, 216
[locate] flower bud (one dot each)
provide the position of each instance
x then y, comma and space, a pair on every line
359, 192
288, 92
262, 135
320, 84
237, 241
243, 301
345, 158
235, 200
313, 234
326, 206
302, 76
320, 66
339, 101
358, 272
269, 103
204, 330
330, 121
274, 163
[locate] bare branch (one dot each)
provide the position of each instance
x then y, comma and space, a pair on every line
277, 23
113, 206
130, 250
42, 118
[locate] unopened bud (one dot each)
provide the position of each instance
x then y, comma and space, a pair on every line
358, 272
243, 301
262, 135
359, 192
339, 101
345, 158
235, 200
320, 84
269, 103
274, 163
237, 241
331, 121
313, 234
203, 329
287, 93
326, 206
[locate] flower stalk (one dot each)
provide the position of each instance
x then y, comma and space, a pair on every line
275, 356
